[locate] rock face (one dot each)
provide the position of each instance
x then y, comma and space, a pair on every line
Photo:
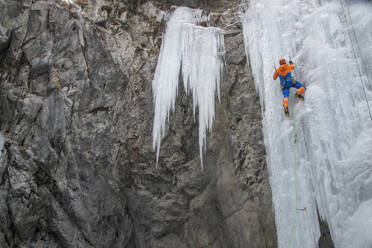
76, 110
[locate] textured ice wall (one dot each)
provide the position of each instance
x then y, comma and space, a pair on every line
333, 127
197, 51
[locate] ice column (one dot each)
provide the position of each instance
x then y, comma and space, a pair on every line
198, 52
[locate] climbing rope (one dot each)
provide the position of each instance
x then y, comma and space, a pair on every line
295, 172
295, 177
357, 47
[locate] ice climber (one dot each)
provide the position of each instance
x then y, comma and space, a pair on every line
286, 82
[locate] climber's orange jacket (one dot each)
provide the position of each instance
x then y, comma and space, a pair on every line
283, 70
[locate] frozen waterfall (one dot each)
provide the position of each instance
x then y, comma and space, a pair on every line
197, 52
331, 45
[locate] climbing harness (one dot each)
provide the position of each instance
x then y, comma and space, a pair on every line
357, 47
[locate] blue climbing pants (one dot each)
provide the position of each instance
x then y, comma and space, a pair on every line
287, 84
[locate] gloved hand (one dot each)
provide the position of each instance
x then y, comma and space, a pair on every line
290, 62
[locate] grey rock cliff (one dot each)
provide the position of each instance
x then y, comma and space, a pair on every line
76, 110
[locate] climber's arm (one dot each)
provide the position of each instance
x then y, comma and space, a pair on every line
275, 75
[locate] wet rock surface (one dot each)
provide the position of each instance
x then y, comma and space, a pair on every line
76, 110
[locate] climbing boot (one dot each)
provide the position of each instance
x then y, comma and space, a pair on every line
286, 111
299, 96
285, 106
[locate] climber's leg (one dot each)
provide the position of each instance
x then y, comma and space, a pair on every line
300, 90
285, 101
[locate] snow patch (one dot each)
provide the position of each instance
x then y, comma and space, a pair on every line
68, 1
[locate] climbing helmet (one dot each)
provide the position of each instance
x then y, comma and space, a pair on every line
282, 61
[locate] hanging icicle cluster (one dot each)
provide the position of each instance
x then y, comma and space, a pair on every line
197, 51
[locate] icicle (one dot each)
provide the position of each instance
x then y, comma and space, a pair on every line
201, 47
165, 81
198, 51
